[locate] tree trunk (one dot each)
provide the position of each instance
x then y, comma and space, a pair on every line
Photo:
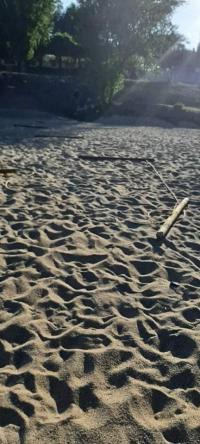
60, 63
40, 62
19, 66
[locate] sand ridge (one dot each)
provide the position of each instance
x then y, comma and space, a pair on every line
99, 322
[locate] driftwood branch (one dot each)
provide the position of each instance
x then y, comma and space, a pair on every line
113, 158
19, 125
164, 229
6, 171
57, 136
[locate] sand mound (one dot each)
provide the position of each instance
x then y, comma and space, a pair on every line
99, 323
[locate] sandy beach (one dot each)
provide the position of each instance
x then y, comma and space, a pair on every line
99, 321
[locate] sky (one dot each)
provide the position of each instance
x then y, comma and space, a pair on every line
187, 19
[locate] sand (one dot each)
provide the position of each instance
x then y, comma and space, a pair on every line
99, 322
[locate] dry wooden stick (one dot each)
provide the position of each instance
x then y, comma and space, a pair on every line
19, 125
113, 158
57, 136
6, 171
164, 229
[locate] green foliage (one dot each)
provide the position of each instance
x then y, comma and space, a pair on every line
62, 45
107, 38
113, 32
25, 24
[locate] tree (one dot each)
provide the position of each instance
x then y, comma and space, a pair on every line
25, 24
66, 21
174, 58
112, 32
180, 61
63, 45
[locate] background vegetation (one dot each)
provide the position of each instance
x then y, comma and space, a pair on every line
99, 41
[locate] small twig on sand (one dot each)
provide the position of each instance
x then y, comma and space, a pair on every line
113, 158
57, 136
5, 171
17, 125
162, 180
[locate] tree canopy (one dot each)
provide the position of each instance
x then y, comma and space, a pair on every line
61, 45
24, 25
112, 32
108, 36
